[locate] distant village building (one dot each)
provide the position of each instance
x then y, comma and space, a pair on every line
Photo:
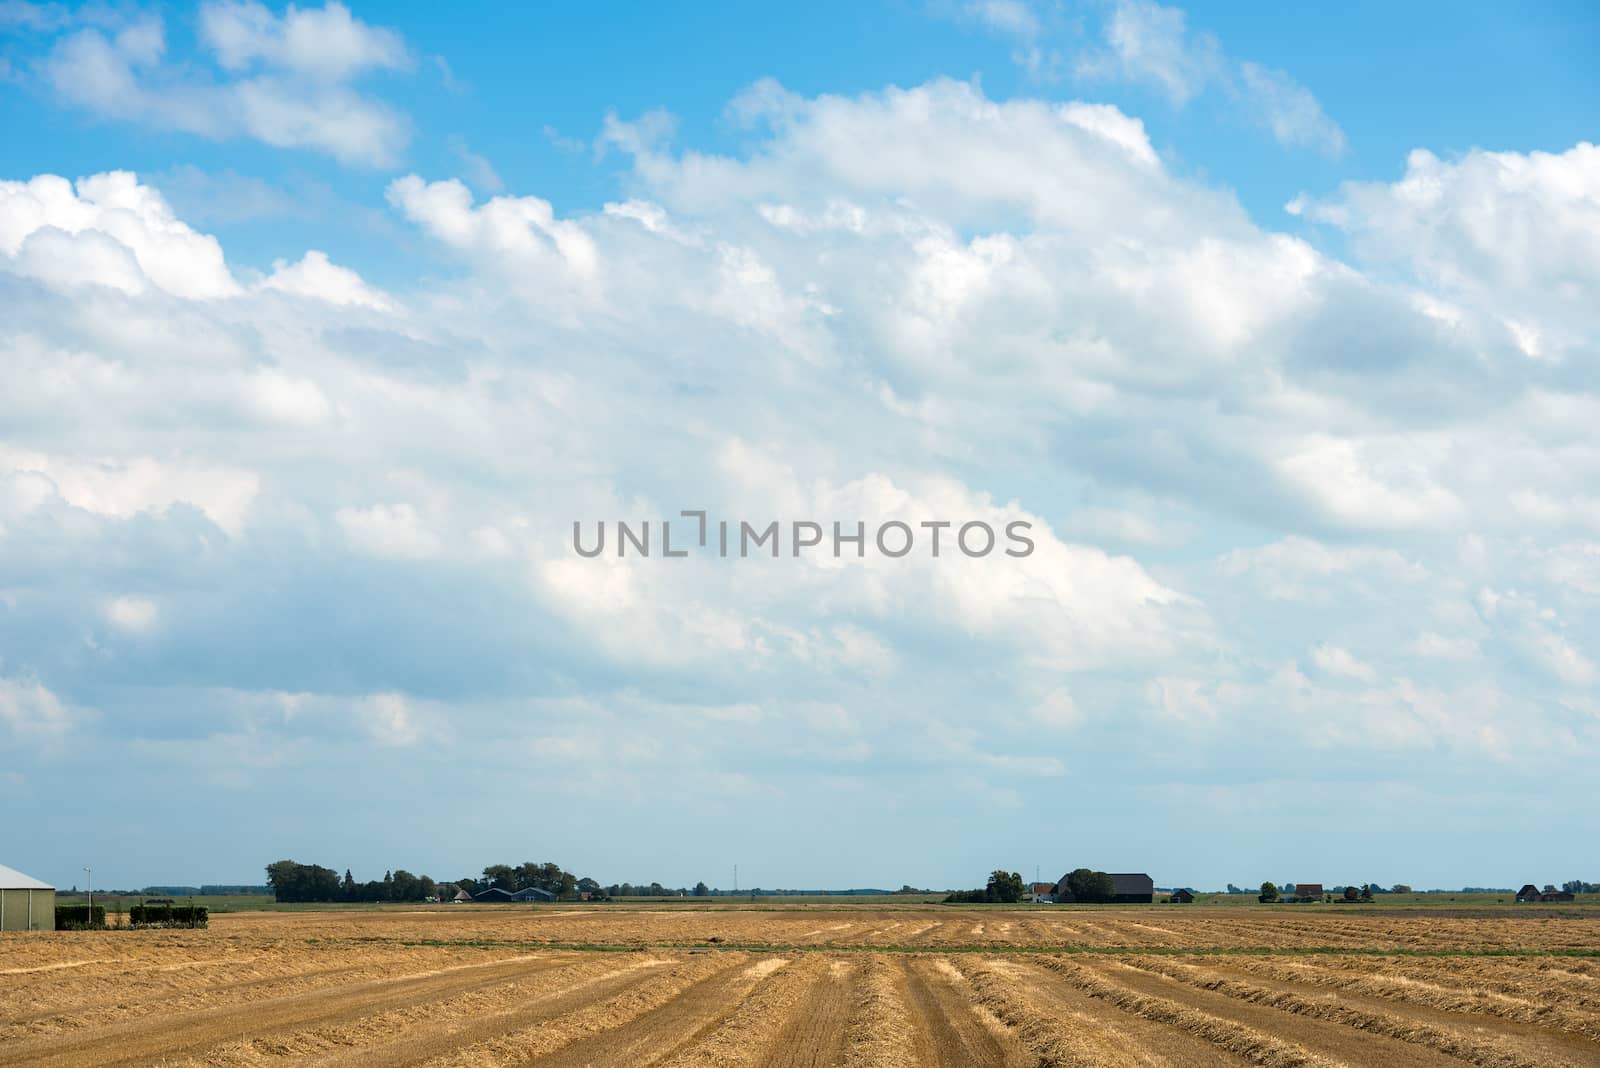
1183, 896
1308, 891
492, 896
532, 893
461, 895
26, 903
1042, 891
1132, 888
1127, 888
1531, 893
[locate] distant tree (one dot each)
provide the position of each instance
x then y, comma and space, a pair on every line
701, 889
1549, 889
1400, 888
347, 888
588, 885
1366, 892
503, 876
1235, 889
1351, 893
427, 887
1090, 886
1269, 892
403, 886
1004, 887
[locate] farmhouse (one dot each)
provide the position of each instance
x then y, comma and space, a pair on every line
532, 893
26, 904
1042, 891
1127, 888
1132, 888
1183, 896
1308, 891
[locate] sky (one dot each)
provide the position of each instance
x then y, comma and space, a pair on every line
321, 327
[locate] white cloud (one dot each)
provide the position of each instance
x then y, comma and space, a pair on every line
133, 614
1340, 662
1146, 43
1149, 43
391, 531
317, 277
325, 43
124, 487
30, 712
110, 230
1511, 239
284, 80
1290, 111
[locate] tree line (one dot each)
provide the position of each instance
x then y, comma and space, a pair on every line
291, 881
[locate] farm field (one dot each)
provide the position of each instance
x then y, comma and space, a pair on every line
815, 985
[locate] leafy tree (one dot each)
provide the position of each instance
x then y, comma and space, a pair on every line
701, 889
1004, 887
503, 876
1269, 892
1091, 886
1401, 888
403, 886
1351, 893
1366, 892
1235, 889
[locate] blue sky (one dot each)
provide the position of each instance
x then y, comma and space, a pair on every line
323, 324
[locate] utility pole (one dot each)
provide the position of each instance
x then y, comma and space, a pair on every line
90, 873
736, 878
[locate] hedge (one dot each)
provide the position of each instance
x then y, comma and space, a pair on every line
168, 916
77, 917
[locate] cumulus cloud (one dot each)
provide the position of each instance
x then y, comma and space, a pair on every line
317, 277
109, 230
284, 80
1509, 241
1152, 45
1384, 547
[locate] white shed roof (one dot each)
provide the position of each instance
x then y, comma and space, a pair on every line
12, 879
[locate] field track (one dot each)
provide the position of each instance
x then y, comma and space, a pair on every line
809, 986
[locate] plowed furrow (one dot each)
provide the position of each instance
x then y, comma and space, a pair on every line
1376, 981
1512, 1045
165, 1036
1259, 1034
814, 1036
417, 1033
747, 1037
1053, 1038
656, 1026
950, 1028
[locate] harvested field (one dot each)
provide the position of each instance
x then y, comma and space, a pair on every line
813, 985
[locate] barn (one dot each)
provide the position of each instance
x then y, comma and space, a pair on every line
1182, 896
1529, 892
493, 895
26, 904
532, 893
1127, 888
1132, 888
